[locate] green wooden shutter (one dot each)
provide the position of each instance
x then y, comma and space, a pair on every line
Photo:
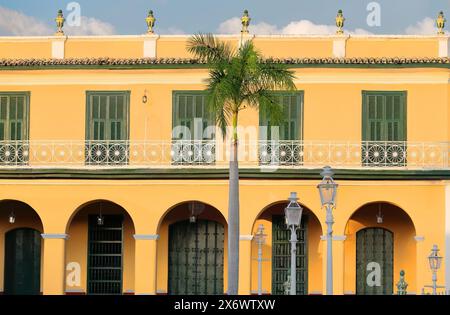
14, 108
187, 107
108, 116
384, 116
291, 128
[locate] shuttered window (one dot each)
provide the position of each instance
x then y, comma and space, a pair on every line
107, 127
384, 128
14, 122
190, 111
193, 143
291, 127
384, 116
14, 116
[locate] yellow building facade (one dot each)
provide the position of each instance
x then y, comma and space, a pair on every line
87, 133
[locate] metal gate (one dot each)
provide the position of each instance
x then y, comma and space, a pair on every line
105, 255
22, 262
281, 255
374, 261
196, 254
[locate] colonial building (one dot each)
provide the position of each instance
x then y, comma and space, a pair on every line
100, 196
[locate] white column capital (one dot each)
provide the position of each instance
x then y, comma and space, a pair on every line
56, 236
146, 237
335, 237
419, 238
245, 237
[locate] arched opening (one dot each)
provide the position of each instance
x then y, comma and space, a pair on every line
100, 250
379, 244
276, 252
21, 255
192, 250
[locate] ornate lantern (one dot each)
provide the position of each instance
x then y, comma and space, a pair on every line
150, 20
340, 22
245, 20
60, 23
434, 259
327, 188
12, 218
293, 212
440, 23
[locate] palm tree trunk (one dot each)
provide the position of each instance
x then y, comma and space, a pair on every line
233, 215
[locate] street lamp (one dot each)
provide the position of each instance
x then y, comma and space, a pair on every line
260, 239
293, 216
327, 191
435, 263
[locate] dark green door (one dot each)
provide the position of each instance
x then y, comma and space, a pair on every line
196, 258
374, 261
281, 256
23, 262
105, 255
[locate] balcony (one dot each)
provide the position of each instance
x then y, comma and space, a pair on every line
215, 154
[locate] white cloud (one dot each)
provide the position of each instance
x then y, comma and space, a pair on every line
90, 26
425, 27
16, 23
301, 27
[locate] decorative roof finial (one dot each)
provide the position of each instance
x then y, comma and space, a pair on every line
401, 284
340, 22
150, 22
245, 22
440, 23
60, 23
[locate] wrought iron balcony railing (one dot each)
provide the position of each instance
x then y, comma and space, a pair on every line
216, 154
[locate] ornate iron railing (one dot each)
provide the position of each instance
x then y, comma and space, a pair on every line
215, 153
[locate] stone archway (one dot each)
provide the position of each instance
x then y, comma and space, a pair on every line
276, 252
100, 255
21, 252
376, 250
192, 253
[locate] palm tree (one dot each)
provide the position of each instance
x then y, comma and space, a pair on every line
238, 78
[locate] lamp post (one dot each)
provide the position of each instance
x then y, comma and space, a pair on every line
435, 263
260, 239
293, 216
327, 191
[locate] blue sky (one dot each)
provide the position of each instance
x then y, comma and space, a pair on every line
192, 16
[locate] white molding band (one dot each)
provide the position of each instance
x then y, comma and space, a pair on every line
150, 43
55, 236
419, 238
245, 237
447, 236
58, 47
146, 237
75, 291
335, 237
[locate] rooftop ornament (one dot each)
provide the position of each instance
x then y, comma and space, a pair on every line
340, 22
440, 23
60, 23
150, 22
245, 22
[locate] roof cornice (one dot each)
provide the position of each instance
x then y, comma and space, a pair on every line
150, 63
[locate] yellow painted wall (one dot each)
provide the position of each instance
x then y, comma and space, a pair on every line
294, 47
105, 48
392, 47
25, 49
